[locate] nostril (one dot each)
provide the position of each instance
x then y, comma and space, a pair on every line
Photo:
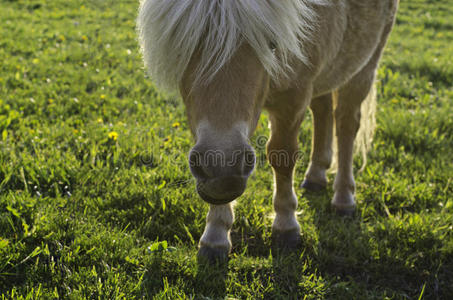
195, 160
206, 165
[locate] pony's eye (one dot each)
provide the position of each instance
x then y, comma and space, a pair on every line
272, 45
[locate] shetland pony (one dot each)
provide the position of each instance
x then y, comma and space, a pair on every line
230, 59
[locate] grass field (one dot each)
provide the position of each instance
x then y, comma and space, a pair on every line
97, 201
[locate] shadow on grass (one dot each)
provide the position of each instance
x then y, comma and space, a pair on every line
353, 255
210, 279
169, 278
288, 269
340, 258
252, 245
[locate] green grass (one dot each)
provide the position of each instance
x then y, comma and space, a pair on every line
93, 173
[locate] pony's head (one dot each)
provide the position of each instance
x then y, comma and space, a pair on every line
222, 115
221, 56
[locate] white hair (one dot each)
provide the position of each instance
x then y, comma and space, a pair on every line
170, 31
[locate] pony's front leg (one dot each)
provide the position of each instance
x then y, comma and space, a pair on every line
321, 150
215, 244
282, 153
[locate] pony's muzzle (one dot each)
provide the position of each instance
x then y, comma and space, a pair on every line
221, 175
221, 190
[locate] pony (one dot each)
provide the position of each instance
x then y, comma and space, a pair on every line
230, 59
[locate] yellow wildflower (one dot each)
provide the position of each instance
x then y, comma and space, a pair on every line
113, 135
176, 125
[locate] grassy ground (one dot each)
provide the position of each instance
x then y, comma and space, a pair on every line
96, 199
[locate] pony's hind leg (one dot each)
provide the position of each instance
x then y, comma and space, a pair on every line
215, 242
285, 117
347, 122
321, 151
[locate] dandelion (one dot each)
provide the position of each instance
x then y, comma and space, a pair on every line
84, 38
176, 125
100, 120
113, 135
102, 96
50, 101
35, 61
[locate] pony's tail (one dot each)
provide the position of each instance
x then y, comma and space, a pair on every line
365, 133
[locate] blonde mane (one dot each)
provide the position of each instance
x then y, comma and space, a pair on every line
170, 31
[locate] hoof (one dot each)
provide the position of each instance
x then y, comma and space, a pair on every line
208, 255
286, 240
344, 211
313, 186
344, 203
